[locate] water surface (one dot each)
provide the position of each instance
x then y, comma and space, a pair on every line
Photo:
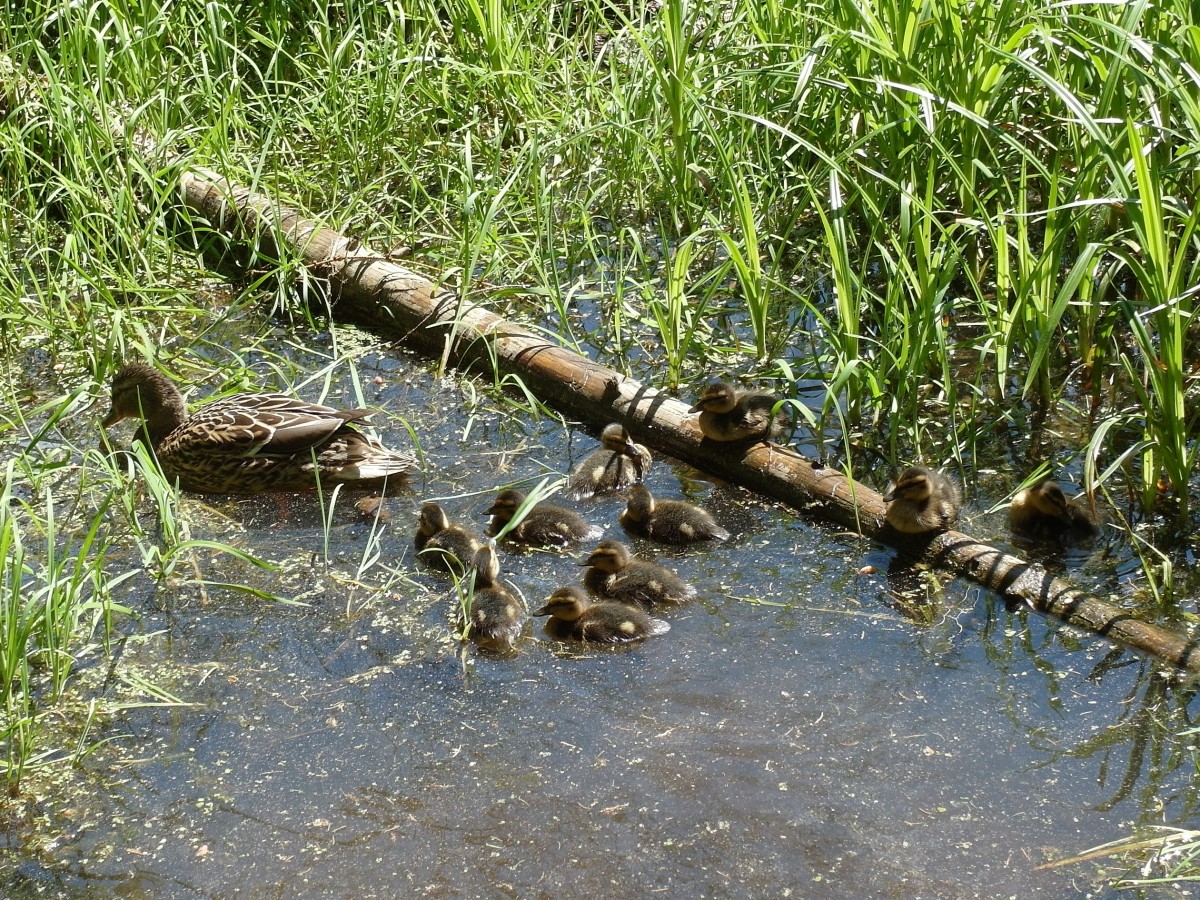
799, 732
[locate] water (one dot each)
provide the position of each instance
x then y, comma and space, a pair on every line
799, 732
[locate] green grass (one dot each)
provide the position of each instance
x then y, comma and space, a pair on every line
966, 220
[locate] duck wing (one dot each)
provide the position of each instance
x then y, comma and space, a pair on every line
261, 425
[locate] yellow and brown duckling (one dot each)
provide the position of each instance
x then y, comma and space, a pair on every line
922, 500
545, 524
614, 573
574, 617
495, 616
251, 443
669, 521
1044, 512
443, 545
730, 415
614, 466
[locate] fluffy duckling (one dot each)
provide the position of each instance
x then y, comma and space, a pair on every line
922, 500
730, 415
614, 466
442, 545
1044, 512
496, 616
545, 524
669, 521
616, 574
574, 617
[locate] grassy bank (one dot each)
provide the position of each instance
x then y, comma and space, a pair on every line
963, 233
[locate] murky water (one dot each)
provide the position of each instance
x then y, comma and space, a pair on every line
799, 732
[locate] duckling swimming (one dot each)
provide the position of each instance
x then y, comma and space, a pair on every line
442, 545
669, 521
1044, 512
922, 500
729, 415
574, 617
496, 616
545, 524
617, 464
616, 574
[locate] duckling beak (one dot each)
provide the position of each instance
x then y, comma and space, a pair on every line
699, 407
585, 562
889, 496
544, 611
112, 418
490, 511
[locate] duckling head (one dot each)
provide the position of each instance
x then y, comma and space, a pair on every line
433, 519
641, 504
614, 437
609, 556
487, 566
505, 506
1048, 498
566, 603
717, 397
913, 484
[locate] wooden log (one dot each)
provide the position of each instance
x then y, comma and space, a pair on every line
369, 289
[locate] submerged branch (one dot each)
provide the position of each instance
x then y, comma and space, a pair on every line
371, 290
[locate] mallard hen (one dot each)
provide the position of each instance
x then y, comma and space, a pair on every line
251, 443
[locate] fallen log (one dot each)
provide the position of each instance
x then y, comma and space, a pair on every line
367, 288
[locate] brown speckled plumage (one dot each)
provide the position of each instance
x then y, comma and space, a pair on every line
251, 443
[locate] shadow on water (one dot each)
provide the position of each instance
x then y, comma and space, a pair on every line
798, 731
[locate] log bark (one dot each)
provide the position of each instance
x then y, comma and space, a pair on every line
371, 290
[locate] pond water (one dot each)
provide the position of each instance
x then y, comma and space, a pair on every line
799, 731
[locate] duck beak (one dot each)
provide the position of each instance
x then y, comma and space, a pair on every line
112, 418
586, 562
544, 611
699, 407
889, 496
490, 511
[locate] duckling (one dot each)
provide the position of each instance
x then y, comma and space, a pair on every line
574, 617
922, 500
616, 574
617, 464
1044, 512
442, 545
545, 524
669, 521
729, 415
496, 616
